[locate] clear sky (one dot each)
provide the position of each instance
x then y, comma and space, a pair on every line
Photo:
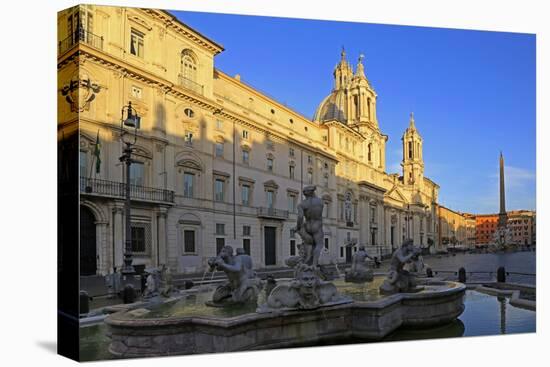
472, 92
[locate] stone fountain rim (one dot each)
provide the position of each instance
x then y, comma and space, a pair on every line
121, 318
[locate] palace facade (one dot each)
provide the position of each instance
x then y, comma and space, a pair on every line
217, 162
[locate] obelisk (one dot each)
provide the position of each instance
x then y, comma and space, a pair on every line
502, 217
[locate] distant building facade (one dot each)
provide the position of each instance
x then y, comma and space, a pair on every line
218, 162
455, 229
520, 223
486, 226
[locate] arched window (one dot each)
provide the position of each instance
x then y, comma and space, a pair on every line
188, 65
410, 150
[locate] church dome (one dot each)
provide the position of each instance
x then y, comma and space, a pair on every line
333, 107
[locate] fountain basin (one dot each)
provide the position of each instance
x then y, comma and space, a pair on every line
437, 303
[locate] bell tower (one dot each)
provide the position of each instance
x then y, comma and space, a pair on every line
343, 72
362, 99
413, 162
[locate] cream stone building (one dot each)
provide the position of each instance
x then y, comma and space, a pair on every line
217, 161
455, 229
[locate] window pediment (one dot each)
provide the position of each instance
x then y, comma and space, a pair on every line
188, 163
271, 185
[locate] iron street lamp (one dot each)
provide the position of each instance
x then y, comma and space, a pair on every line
128, 136
408, 218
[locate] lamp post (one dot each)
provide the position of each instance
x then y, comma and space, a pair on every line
128, 136
408, 218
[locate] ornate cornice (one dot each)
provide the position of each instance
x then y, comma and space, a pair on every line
172, 22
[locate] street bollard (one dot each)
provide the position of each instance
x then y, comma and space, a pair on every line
429, 273
501, 275
462, 275
84, 303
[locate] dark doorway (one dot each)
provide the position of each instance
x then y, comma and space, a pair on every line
348, 254
88, 251
270, 240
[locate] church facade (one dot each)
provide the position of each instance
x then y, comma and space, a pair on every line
217, 162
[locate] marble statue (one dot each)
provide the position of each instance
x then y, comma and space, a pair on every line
416, 265
310, 225
151, 284
242, 285
271, 283
400, 280
307, 291
359, 272
166, 281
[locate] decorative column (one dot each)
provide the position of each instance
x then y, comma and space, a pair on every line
364, 222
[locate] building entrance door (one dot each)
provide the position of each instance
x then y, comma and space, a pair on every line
88, 251
270, 241
348, 254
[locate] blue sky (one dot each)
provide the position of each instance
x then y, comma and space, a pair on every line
472, 92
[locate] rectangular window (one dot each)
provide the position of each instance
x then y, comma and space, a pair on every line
270, 164
245, 134
325, 180
245, 157
291, 172
137, 173
220, 228
326, 243
291, 152
245, 195
188, 180
246, 230
309, 159
189, 241
141, 237
292, 247
220, 243
138, 239
269, 199
310, 178
219, 190
246, 245
219, 124
292, 203
373, 215
219, 150
342, 251
136, 43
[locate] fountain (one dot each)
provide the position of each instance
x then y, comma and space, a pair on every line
303, 310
